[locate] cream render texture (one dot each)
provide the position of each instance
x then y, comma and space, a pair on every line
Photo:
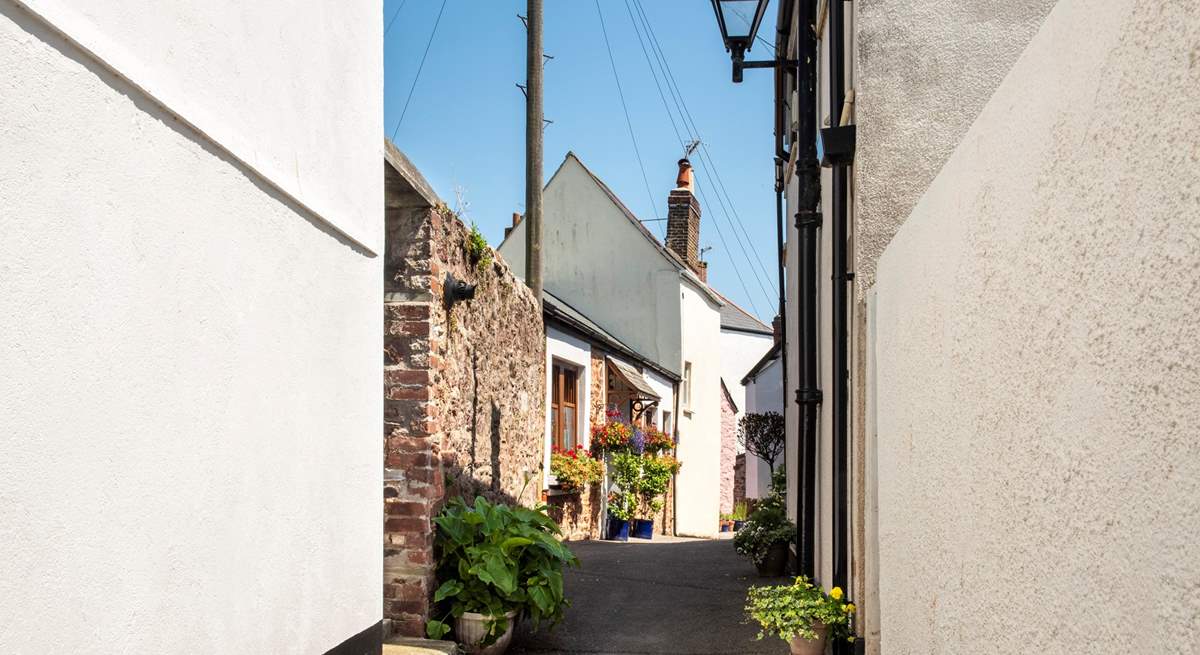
1045, 294
191, 400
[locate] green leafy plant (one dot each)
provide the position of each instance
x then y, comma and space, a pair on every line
768, 525
798, 609
621, 505
739, 511
477, 246
493, 559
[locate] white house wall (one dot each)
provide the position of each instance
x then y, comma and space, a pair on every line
763, 394
698, 483
665, 389
575, 352
1037, 340
599, 262
191, 396
288, 89
739, 352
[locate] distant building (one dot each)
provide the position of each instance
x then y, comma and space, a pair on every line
601, 261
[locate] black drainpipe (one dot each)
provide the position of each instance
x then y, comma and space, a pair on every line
841, 277
808, 221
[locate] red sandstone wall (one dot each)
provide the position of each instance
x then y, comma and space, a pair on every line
464, 396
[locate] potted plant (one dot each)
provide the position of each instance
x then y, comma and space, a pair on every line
576, 468
620, 512
496, 563
725, 522
651, 486
765, 535
612, 436
738, 515
801, 614
656, 442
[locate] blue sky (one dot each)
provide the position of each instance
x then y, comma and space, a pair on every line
464, 127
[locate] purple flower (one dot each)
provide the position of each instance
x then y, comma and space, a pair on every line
638, 442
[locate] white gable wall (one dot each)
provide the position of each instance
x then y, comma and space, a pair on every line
698, 483
599, 262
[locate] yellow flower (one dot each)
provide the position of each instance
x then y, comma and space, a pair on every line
849, 607
835, 593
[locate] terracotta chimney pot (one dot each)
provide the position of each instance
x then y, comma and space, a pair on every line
684, 180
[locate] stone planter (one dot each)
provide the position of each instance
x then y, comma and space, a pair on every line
471, 628
800, 646
775, 563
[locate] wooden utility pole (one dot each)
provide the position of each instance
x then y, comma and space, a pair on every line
533, 150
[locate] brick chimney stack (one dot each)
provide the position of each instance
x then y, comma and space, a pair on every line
683, 221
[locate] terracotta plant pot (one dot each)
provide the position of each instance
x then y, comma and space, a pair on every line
471, 628
775, 563
800, 646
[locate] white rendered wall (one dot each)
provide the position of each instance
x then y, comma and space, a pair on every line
576, 352
698, 483
763, 394
739, 352
190, 405
289, 89
665, 389
1037, 340
594, 258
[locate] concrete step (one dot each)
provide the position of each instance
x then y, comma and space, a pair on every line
413, 646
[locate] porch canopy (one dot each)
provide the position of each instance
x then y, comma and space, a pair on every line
634, 380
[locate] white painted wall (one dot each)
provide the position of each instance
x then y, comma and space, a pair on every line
665, 388
1038, 466
763, 394
698, 482
191, 396
739, 352
597, 260
292, 91
572, 351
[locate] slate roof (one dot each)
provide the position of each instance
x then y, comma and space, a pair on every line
736, 318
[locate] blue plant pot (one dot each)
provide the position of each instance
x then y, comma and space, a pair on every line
737, 525
618, 530
643, 528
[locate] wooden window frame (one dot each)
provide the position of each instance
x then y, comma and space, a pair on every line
559, 374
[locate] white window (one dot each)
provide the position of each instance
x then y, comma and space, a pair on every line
666, 422
685, 387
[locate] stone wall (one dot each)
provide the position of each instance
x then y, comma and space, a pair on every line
739, 479
578, 514
599, 391
728, 450
464, 406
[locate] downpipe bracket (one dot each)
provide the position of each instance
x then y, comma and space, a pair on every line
809, 397
811, 219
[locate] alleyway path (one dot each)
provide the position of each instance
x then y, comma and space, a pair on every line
668, 597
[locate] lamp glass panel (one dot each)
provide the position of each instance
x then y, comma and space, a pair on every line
738, 16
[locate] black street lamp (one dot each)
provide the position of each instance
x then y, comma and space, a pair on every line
739, 21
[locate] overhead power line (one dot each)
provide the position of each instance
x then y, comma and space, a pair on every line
394, 15
708, 165
420, 67
706, 158
628, 123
